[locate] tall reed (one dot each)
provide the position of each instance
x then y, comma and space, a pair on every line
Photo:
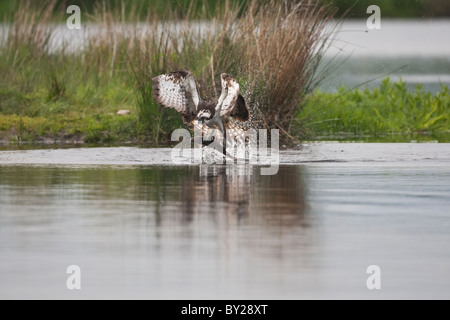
273, 48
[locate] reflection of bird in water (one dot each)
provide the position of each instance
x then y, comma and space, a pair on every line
240, 191
224, 189
230, 208
227, 117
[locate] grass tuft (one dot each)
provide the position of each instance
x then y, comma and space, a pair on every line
391, 110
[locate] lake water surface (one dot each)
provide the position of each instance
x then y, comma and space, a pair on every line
139, 227
416, 51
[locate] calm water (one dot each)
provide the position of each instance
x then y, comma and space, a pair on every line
416, 51
219, 232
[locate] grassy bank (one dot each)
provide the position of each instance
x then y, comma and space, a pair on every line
391, 112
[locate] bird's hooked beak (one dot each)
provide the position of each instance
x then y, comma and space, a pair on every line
221, 128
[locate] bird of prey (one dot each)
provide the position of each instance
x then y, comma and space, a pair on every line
216, 120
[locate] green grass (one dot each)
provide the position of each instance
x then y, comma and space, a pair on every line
40, 104
390, 112
102, 129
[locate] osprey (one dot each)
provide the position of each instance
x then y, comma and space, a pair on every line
219, 119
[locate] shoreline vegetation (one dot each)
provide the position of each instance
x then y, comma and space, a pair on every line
388, 113
65, 97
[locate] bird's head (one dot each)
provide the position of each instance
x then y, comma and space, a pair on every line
225, 80
204, 115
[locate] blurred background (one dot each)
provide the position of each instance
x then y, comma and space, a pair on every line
349, 8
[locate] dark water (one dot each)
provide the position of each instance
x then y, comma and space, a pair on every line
222, 232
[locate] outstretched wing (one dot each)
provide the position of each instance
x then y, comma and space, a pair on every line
177, 90
232, 102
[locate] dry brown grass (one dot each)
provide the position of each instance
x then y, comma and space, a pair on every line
30, 28
273, 49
